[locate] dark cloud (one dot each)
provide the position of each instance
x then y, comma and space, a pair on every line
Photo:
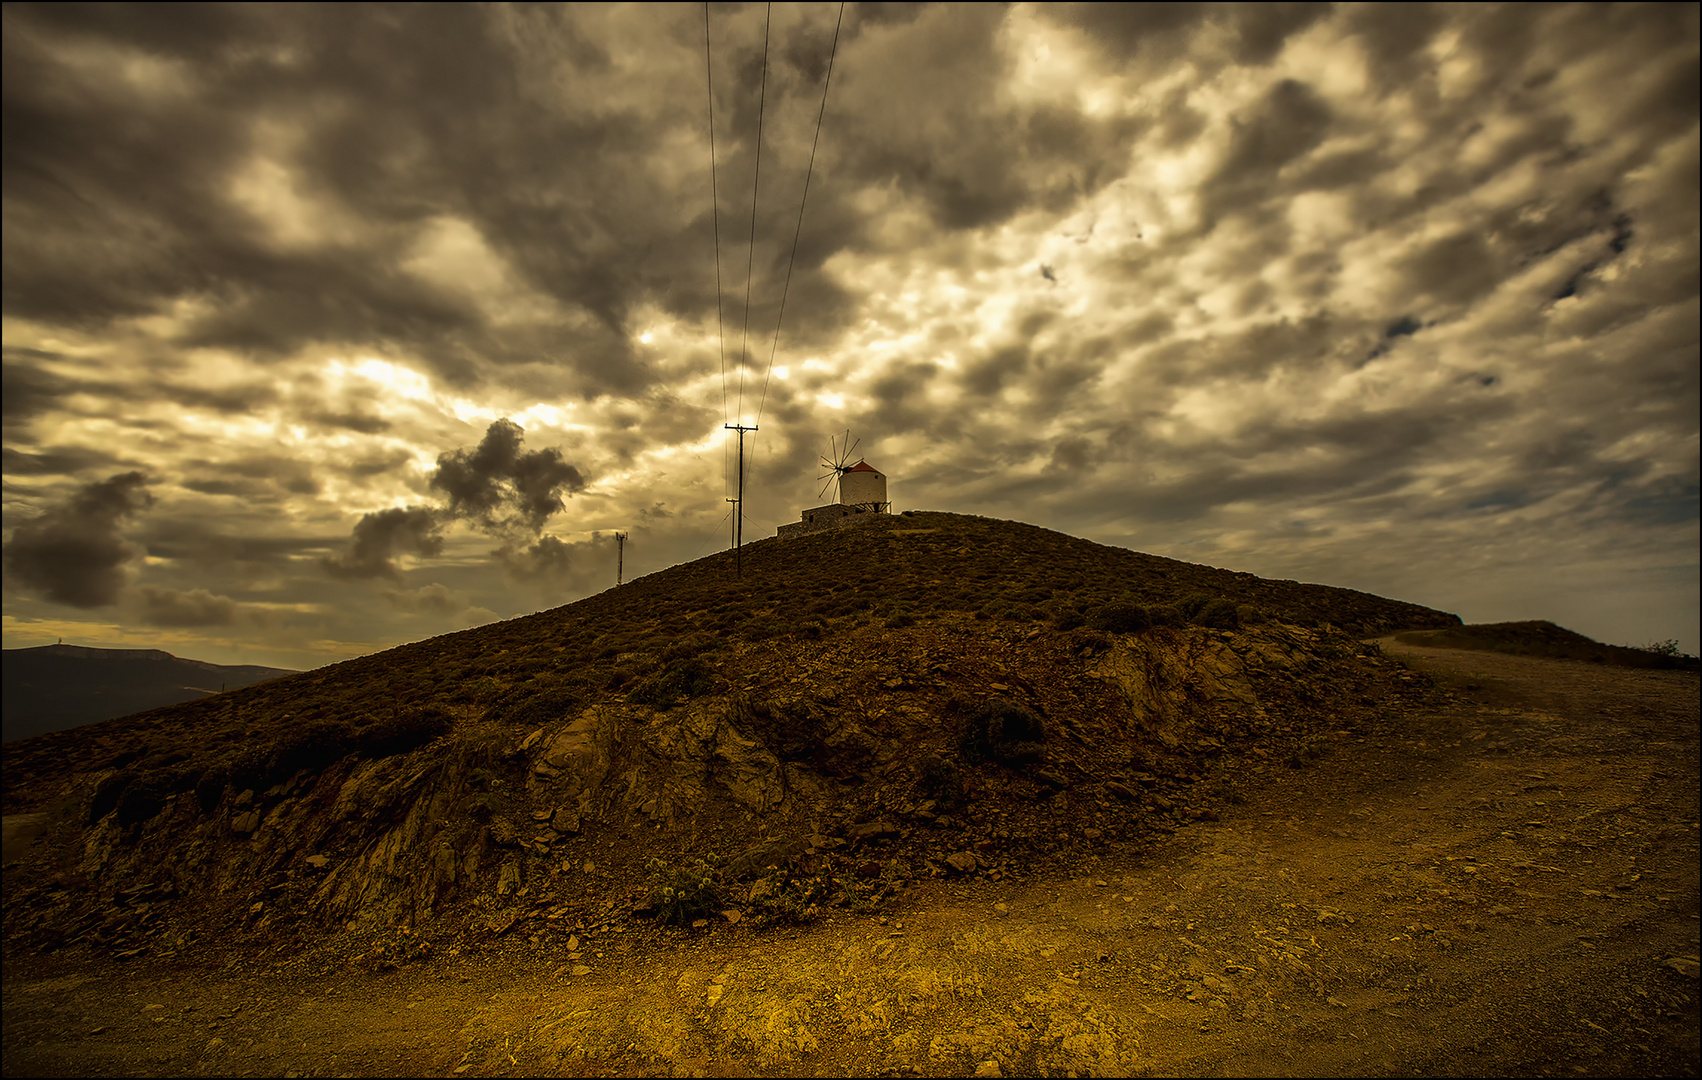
403, 117
75, 553
971, 157
1287, 124
899, 395
1453, 269
196, 607
1156, 36
886, 14
1262, 29
549, 559
86, 242
1403, 326
263, 477
498, 474
228, 400
25, 389
988, 375
1155, 33
53, 461
1395, 36
195, 542
186, 31
365, 423
550, 570
1290, 121
380, 538
377, 465
498, 486
432, 599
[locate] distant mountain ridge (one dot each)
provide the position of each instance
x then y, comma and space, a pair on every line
54, 687
88, 652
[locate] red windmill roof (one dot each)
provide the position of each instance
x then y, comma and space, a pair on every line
862, 466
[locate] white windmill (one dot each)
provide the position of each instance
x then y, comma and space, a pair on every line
861, 489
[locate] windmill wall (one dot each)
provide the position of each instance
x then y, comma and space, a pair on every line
862, 485
823, 518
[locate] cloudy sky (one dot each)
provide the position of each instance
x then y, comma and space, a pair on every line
329, 328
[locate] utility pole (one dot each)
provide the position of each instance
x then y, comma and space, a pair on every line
620, 556
739, 503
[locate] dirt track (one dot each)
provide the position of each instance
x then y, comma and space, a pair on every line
1504, 881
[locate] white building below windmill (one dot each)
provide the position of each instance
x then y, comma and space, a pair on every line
862, 491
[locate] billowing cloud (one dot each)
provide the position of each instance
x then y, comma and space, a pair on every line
382, 537
499, 474
76, 553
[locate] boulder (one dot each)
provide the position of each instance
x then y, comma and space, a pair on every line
754, 861
873, 830
565, 821
579, 750
508, 877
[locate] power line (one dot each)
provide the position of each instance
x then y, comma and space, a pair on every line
715, 208
715, 533
800, 229
762, 102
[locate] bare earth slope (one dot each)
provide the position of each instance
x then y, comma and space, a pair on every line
923, 695
1500, 878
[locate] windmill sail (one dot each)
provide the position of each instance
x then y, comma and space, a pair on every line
837, 462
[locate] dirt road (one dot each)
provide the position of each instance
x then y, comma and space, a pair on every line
1501, 881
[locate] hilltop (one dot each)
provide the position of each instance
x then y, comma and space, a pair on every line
925, 695
54, 687
1543, 638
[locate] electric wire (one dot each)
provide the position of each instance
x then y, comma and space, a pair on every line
800, 229
715, 209
715, 533
762, 102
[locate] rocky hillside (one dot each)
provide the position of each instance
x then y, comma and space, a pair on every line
926, 694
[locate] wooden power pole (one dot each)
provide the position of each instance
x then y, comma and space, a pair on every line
620, 555
739, 503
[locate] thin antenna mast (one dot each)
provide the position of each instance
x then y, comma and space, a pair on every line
739, 503
620, 556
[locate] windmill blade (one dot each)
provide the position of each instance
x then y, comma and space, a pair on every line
827, 478
837, 460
